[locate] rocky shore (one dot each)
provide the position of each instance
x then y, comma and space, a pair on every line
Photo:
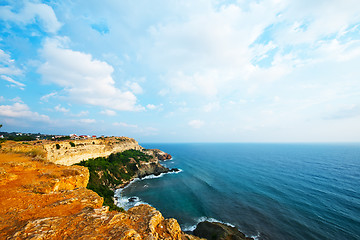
219, 231
154, 168
42, 200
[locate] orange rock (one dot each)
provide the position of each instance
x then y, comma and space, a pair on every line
41, 200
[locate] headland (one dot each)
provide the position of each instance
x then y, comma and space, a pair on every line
43, 195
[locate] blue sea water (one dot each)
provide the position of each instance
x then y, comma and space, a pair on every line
271, 191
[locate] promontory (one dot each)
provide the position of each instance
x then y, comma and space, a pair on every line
44, 196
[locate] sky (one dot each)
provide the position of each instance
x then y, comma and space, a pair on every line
182, 71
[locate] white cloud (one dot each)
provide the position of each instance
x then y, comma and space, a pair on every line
212, 51
346, 111
15, 83
307, 23
267, 112
134, 87
136, 129
30, 13
46, 97
154, 107
84, 79
151, 106
59, 108
7, 65
108, 112
204, 83
208, 52
87, 121
16, 99
196, 123
212, 106
126, 125
80, 114
21, 111
335, 50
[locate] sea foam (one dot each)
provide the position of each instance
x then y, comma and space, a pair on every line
125, 202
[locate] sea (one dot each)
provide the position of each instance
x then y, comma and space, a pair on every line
268, 191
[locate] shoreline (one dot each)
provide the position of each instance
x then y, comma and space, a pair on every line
117, 190
222, 227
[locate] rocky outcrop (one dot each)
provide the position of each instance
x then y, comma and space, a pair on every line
153, 168
141, 222
157, 153
219, 231
41, 200
71, 152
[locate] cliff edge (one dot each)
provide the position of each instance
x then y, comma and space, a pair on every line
69, 152
42, 200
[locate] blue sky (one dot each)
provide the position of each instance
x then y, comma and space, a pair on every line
182, 71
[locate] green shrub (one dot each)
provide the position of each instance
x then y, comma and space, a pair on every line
21, 138
112, 172
72, 144
57, 146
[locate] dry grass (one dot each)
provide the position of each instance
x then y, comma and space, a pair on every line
36, 152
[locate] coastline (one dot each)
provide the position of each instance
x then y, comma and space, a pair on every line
121, 187
43, 200
212, 227
59, 183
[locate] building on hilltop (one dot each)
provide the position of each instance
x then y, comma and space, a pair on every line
74, 136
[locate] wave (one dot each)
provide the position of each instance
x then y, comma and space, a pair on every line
129, 202
203, 219
191, 228
152, 176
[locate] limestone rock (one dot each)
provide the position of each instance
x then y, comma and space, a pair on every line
141, 222
150, 168
87, 148
40, 200
157, 153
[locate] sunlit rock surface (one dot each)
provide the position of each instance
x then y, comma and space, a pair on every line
42, 200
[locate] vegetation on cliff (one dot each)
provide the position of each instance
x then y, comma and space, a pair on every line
108, 172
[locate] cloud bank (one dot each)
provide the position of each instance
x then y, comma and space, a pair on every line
84, 79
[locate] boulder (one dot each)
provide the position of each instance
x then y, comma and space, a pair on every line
218, 231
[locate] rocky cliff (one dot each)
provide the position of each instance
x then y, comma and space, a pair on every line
158, 154
71, 152
42, 200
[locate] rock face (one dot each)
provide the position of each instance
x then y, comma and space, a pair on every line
157, 153
141, 222
151, 168
66, 153
69, 152
41, 200
218, 231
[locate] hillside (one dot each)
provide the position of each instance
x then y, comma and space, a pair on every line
118, 169
43, 200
